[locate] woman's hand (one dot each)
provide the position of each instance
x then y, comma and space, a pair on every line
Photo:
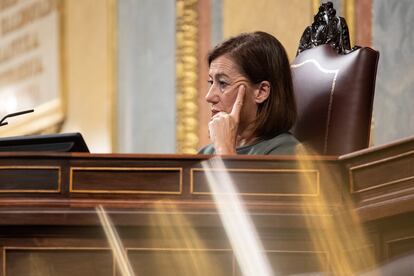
223, 127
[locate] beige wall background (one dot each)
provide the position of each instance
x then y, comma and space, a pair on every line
89, 71
286, 20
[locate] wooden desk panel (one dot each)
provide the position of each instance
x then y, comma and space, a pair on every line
47, 206
381, 180
43, 179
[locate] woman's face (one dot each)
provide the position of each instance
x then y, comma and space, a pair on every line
225, 78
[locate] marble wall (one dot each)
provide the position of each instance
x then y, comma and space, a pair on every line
216, 22
146, 76
393, 22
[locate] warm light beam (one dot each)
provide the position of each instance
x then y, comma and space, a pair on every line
115, 243
239, 228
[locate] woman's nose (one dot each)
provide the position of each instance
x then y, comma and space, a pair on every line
211, 96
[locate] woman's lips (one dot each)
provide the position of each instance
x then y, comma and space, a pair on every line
214, 112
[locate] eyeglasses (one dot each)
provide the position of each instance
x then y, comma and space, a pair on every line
224, 85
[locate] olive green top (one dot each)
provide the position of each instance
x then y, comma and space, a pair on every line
284, 143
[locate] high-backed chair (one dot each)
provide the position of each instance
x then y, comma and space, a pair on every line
334, 87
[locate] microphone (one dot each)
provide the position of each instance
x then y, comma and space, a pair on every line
2, 123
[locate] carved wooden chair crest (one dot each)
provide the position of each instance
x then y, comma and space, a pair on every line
327, 28
334, 87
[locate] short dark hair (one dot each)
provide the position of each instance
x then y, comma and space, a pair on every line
261, 57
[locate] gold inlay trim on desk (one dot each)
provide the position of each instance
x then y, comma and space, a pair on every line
34, 190
388, 242
229, 250
352, 170
190, 250
174, 249
177, 249
54, 248
217, 249
293, 171
98, 191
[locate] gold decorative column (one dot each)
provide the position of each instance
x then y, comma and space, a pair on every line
186, 75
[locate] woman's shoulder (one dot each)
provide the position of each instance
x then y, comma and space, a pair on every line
284, 143
283, 138
209, 149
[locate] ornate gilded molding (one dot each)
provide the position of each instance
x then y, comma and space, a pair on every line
186, 75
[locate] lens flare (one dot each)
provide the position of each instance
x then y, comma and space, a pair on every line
176, 247
240, 230
115, 243
338, 232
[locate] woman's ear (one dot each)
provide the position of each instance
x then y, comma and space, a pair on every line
263, 92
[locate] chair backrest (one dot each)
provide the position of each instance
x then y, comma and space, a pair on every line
334, 88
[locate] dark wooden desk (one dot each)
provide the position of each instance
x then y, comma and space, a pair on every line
163, 210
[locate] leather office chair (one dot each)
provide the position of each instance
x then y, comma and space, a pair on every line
334, 87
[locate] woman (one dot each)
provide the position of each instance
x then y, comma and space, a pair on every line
251, 96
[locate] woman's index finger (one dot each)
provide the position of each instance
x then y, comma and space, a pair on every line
235, 111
